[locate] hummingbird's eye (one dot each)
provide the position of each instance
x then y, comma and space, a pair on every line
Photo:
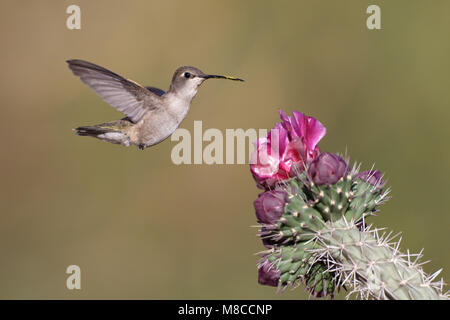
187, 75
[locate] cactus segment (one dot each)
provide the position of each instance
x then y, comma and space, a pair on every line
321, 240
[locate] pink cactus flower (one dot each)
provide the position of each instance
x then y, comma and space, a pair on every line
288, 147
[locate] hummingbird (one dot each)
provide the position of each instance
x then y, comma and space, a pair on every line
152, 114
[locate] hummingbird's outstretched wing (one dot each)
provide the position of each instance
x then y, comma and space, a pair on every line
125, 95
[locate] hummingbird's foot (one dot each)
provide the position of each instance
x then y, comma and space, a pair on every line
141, 146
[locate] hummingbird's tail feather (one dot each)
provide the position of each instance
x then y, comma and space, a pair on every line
91, 131
109, 132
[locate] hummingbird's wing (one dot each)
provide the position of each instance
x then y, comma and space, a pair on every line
125, 95
157, 91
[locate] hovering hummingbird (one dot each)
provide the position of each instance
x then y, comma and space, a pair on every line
152, 115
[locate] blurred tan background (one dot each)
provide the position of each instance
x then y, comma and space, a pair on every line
142, 228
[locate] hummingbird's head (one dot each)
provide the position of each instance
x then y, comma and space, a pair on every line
186, 80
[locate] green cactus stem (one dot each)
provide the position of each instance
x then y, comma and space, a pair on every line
372, 264
321, 239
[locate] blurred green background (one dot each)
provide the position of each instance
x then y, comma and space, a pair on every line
141, 227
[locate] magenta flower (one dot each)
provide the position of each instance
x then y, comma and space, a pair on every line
270, 206
373, 177
268, 274
327, 168
288, 147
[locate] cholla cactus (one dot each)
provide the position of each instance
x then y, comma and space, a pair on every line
312, 218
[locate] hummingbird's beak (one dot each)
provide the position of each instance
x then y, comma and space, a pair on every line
209, 76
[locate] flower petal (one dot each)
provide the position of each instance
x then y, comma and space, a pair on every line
309, 128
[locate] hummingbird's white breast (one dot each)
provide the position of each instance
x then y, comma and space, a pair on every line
160, 123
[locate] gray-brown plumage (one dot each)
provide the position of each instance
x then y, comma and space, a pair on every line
152, 115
